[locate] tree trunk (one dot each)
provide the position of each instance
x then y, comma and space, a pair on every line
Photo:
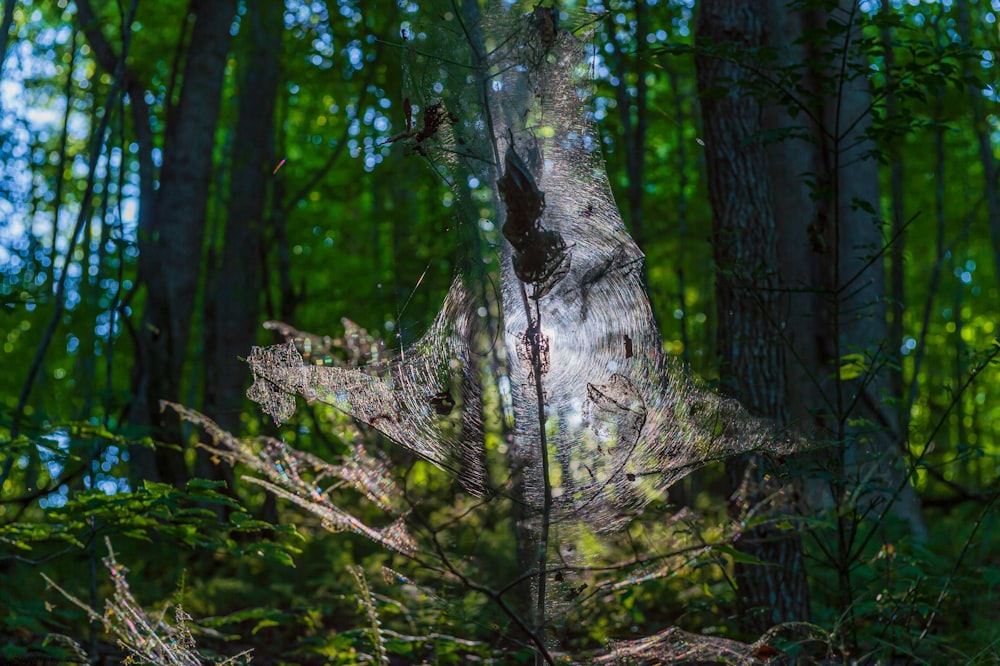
991, 171
60, 176
170, 253
6, 23
897, 215
233, 305
830, 242
633, 138
750, 348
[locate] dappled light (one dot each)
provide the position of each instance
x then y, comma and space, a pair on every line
672, 333
602, 421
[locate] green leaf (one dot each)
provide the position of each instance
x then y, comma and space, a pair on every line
264, 624
739, 556
852, 366
204, 484
864, 205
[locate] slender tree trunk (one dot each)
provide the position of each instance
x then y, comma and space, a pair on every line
680, 118
634, 117
897, 215
746, 256
60, 176
233, 302
170, 255
6, 23
233, 321
831, 247
142, 460
633, 124
991, 171
683, 492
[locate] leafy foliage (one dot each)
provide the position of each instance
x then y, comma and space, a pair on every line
354, 223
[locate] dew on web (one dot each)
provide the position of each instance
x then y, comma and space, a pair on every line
145, 638
308, 480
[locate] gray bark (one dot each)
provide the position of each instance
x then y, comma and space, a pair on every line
834, 269
749, 342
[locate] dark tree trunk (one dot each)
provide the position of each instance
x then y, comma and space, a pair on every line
634, 127
5, 25
233, 305
897, 216
170, 251
991, 170
750, 348
60, 176
831, 237
109, 61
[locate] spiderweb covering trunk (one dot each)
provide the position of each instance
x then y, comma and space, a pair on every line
602, 420
623, 421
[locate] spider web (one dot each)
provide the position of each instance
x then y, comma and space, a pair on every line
501, 101
623, 421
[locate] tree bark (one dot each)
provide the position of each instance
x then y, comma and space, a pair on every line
746, 256
170, 252
233, 305
831, 243
6, 23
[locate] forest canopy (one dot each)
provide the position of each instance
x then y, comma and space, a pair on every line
450, 332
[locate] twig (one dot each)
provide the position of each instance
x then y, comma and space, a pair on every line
958, 563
